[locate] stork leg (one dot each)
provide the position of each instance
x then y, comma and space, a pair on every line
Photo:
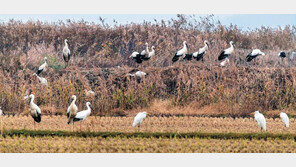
80, 125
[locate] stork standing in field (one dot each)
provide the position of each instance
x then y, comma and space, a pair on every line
80, 116
43, 66
227, 52
199, 55
284, 117
42, 80
139, 118
150, 54
181, 52
260, 120
66, 52
34, 110
72, 110
254, 54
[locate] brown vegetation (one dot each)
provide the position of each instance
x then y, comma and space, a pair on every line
98, 49
48, 144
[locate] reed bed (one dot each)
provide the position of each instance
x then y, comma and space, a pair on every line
48, 144
150, 124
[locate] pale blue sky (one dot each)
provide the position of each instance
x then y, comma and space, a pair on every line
244, 21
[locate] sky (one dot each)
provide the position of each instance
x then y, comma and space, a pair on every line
243, 21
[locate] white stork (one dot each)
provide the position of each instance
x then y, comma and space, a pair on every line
137, 57
34, 110
284, 117
181, 52
260, 120
224, 62
80, 116
227, 52
72, 110
254, 54
42, 80
139, 74
89, 93
199, 54
66, 52
139, 118
43, 66
150, 54
145, 52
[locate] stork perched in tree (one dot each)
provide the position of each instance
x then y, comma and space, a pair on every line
42, 80
72, 110
43, 66
66, 52
80, 116
260, 120
181, 52
254, 54
139, 118
284, 117
199, 54
34, 110
227, 52
150, 54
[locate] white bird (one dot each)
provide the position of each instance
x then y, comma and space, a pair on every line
181, 52
139, 118
226, 53
293, 54
139, 74
285, 119
199, 54
146, 50
72, 110
43, 66
260, 120
1, 112
89, 93
151, 54
224, 62
35, 110
254, 54
66, 52
80, 116
137, 57
42, 80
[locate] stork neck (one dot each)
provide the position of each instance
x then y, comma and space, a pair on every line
32, 100
66, 44
74, 100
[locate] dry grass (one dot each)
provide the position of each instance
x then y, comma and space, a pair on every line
21, 144
195, 87
151, 124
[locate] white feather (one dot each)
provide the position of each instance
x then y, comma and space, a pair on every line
85, 113
285, 119
260, 120
139, 118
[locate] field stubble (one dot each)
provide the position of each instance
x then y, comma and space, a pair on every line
150, 124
